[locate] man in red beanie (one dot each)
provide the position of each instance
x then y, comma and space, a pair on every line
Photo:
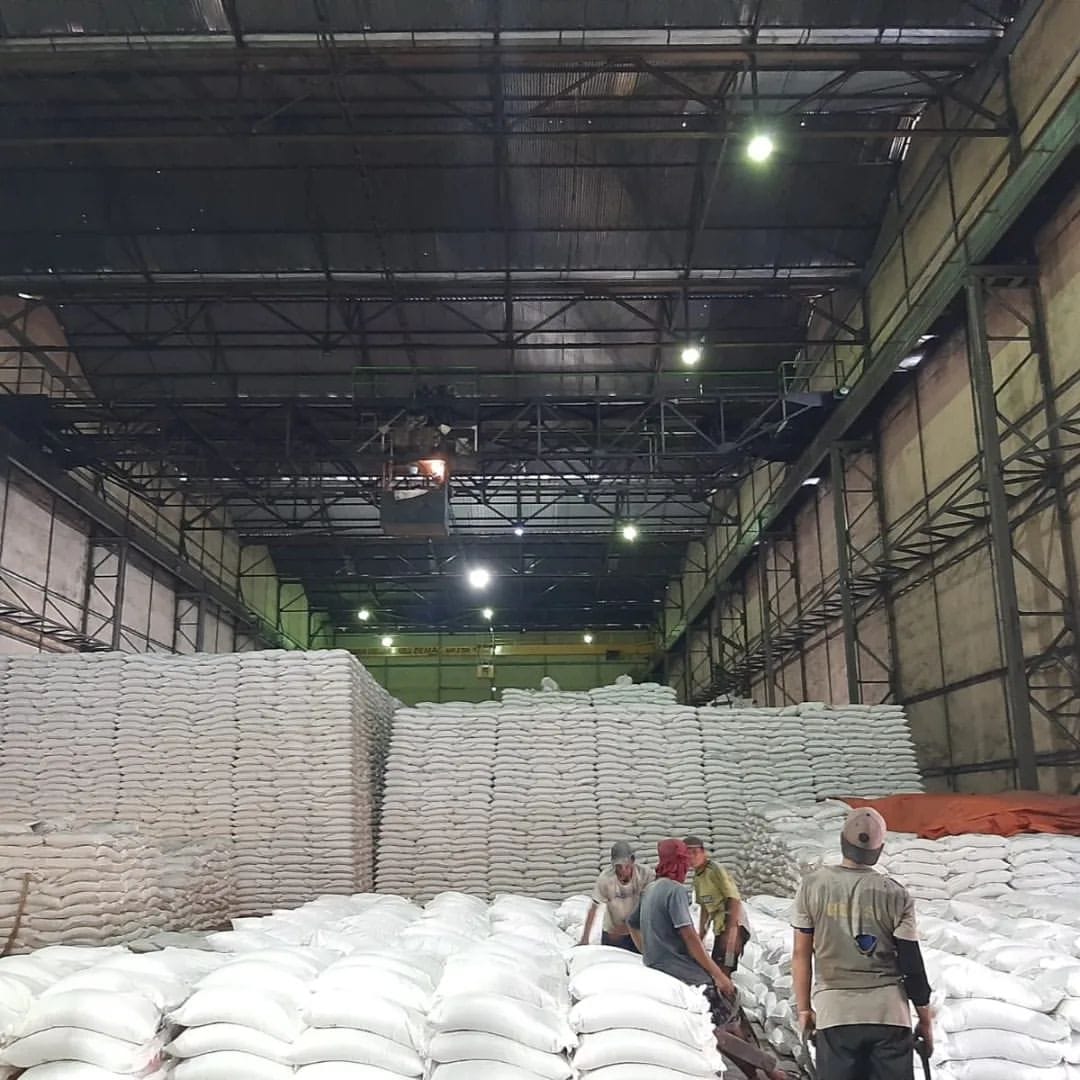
663, 928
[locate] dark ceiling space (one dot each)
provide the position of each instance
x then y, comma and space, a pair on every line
297, 245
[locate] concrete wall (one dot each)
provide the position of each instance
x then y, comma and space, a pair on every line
444, 667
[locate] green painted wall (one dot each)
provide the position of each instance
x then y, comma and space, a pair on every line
570, 662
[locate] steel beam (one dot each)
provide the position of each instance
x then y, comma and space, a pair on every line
1012, 644
847, 603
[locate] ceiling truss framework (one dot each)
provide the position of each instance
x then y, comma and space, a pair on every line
294, 244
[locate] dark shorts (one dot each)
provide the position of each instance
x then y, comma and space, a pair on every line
718, 950
865, 1052
626, 943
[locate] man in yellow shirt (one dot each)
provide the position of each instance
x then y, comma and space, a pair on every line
716, 893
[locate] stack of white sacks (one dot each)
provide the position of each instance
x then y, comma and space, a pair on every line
93, 1012
88, 885
267, 756
531, 793
650, 781
784, 839
545, 827
436, 816
500, 1009
635, 1023
800, 753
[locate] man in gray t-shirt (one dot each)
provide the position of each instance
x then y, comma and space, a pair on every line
663, 928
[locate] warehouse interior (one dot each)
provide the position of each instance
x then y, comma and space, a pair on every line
441, 439
259, 264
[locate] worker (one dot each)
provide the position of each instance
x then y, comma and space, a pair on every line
663, 930
619, 888
717, 895
856, 941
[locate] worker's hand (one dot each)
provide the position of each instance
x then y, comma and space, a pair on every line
924, 1030
724, 985
807, 1022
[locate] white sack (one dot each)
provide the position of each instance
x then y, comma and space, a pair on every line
451, 1046
642, 981
231, 1066
481, 1070
361, 1047
620, 1046
975, 1013
343, 1070
249, 1007
218, 1038
74, 1044
1005, 1045
130, 1017
366, 1012
505, 1016
601, 1012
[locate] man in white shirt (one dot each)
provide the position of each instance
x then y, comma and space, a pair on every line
619, 888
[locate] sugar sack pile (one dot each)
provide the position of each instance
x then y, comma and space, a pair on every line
635, 1023
95, 884
103, 1018
764, 976
544, 827
366, 1010
500, 1009
649, 779
782, 840
277, 750
243, 1018
436, 814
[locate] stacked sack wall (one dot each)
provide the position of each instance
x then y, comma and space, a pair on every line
259, 768
530, 792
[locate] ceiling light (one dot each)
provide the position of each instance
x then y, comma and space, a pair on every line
479, 577
519, 530
630, 532
691, 355
760, 148
363, 614
911, 362
387, 642
27, 296
588, 639
488, 614
811, 481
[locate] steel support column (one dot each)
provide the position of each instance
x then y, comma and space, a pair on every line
1016, 682
847, 603
769, 673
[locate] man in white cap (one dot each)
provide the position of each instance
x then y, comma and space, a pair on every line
856, 941
619, 888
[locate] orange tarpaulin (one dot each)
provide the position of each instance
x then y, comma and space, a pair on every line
935, 816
